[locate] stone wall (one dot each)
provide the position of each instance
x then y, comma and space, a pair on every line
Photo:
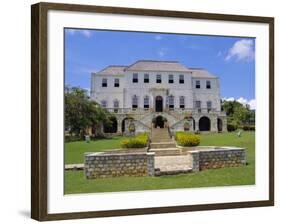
212, 158
105, 164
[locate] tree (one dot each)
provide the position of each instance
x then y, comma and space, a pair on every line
81, 112
237, 113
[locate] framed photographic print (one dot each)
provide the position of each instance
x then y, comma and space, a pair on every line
139, 111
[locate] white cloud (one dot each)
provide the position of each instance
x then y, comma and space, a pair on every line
162, 52
85, 33
158, 37
242, 100
241, 50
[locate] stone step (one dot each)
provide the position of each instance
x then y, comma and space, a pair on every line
162, 138
157, 145
171, 165
161, 141
159, 172
166, 151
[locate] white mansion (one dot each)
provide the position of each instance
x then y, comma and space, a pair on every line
151, 93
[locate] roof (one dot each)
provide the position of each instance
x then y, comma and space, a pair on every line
157, 66
201, 73
152, 65
113, 70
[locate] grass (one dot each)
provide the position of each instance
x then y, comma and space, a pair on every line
75, 182
74, 151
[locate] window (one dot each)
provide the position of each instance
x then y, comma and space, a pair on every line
158, 78
208, 84
104, 83
146, 102
116, 82
135, 78
209, 106
171, 102
198, 105
116, 105
181, 79
103, 103
135, 102
197, 84
182, 103
146, 78
171, 78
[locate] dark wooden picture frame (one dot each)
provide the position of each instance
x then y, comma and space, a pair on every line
39, 121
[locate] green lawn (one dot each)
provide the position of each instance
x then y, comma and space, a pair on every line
75, 181
74, 151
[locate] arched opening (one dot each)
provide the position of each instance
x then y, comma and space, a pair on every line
204, 124
219, 124
159, 121
158, 104
111, 126
123, 124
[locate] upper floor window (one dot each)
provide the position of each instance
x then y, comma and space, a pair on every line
116, 105
135, 78
135, 102
104, 83
197, 85
209, 106
208, 84
171, 78
146, 78
198, 104
171, 102
182, 103
181, 79
103, 103
146, 102
158, 78
116, 83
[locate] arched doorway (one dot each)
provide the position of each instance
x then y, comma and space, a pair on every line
219, 124
123, 124
204, 124
158, 104
159, 121
110, 127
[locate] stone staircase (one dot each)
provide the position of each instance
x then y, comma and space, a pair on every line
147, 118
169, 159
162, 144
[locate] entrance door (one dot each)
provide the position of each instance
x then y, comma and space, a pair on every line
159, 104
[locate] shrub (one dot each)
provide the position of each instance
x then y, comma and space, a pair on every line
185, 139
139, 141
249, 127
232, 127
74, 138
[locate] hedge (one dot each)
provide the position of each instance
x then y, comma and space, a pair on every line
232, 127
139, 141
185, 139
249, 127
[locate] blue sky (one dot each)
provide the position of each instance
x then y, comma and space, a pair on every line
230, 58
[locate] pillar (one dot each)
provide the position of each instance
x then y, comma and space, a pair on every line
214, 124
119, 126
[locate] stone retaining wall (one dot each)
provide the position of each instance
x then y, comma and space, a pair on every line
212, 158
104, 164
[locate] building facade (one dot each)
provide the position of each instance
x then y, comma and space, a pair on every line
151, 94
